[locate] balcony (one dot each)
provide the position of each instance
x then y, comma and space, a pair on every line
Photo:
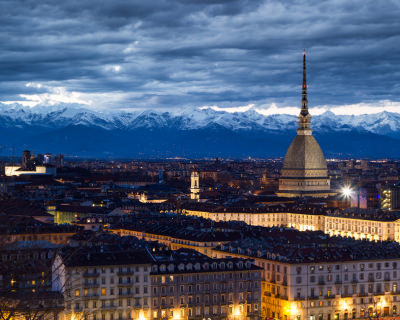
90, 296
125, 284
88, 285
91, 274
314, 297
330, 297
299, 298
321, 282
109, 307
126, 294
125, 273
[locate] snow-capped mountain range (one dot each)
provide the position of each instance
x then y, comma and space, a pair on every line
163, 132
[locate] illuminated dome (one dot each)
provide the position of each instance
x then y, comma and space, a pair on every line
304, 172
304, 158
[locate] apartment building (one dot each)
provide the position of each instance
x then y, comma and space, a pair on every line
103, 285
307, 276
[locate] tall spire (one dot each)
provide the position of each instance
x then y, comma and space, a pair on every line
304, 102
304, 118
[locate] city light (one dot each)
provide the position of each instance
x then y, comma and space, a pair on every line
141, 315
347, 191
293, 309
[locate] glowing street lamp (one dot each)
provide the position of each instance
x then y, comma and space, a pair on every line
347, 191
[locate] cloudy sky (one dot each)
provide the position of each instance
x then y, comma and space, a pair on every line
170, 54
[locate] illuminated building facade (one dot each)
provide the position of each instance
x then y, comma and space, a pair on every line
342, 286
331, 291
371, 227
195, 186
104, 285
206, 288
391, 197
127, 285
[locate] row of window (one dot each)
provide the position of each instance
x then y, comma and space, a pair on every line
207, 287
121, 280
206, 299
378, 288
190, 312
111, 291
89, 271
207, 277
345, 267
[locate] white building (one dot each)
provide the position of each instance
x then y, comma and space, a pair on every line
39, 170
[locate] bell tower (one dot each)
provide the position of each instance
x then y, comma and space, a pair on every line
194, 185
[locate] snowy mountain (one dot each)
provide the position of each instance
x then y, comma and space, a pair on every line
198, 132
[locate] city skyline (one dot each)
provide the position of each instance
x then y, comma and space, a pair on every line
173, 55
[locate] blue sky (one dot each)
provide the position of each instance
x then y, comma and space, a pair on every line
168, 54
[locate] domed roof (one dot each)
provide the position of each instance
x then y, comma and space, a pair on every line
304, 153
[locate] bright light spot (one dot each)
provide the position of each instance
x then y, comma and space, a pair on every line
55, 95
117, 68
34, 85
230, 110
141, 315
236, 311
132, 47
293, 309
347, 191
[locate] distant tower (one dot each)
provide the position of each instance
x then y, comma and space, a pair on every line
160, 176
194, 185
26, 158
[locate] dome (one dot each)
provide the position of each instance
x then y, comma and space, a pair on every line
304, 158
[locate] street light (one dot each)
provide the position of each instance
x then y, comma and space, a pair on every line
347, 191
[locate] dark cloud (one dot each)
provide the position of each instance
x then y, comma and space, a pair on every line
178, 53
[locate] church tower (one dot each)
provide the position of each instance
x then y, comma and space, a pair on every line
194, 185
304, 172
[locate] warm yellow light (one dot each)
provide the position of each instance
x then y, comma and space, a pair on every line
236, 311
176, 315
344, 305
141, 315
293, 309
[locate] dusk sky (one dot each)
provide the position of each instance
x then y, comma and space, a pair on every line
176, 54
